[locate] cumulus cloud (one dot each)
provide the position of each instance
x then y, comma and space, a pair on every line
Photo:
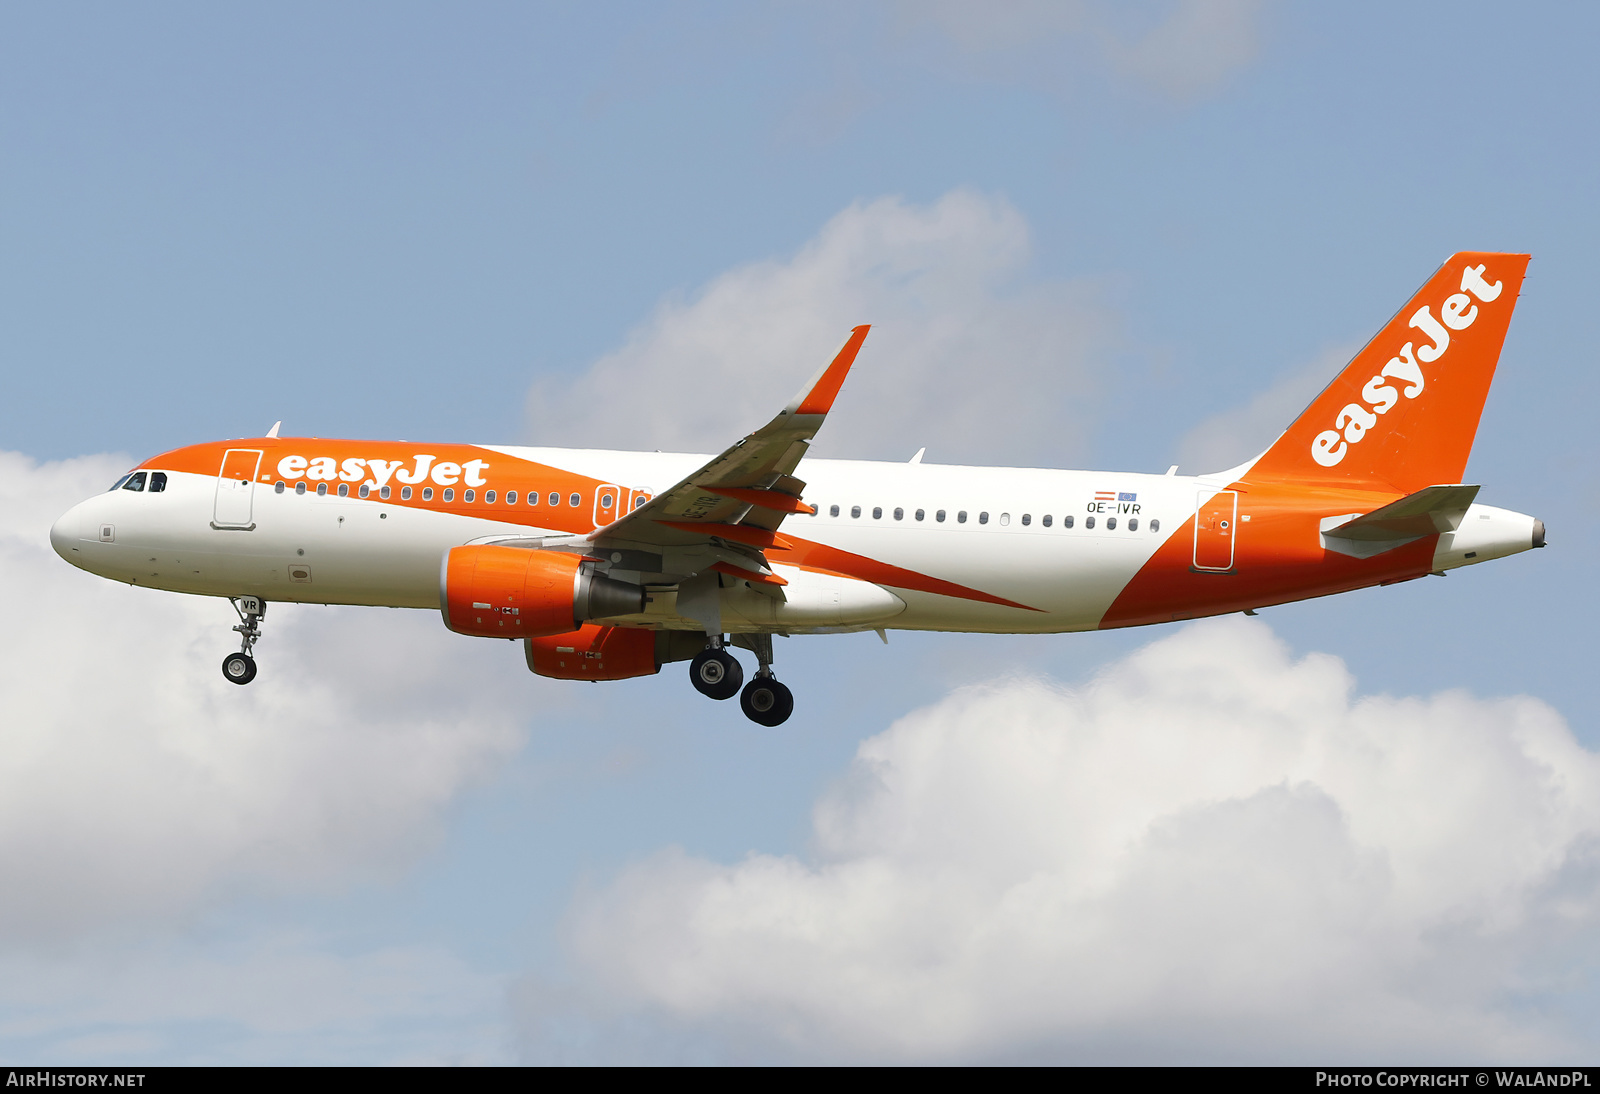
1211, 851
1228, 438
135, 783
968, 355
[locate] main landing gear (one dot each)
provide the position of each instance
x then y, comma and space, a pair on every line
715, 673
240, 668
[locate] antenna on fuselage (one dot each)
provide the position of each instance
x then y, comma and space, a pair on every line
918, 457
273, 432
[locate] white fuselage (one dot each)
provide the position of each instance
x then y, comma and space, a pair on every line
1015, 534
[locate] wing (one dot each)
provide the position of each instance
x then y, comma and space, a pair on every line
728, 512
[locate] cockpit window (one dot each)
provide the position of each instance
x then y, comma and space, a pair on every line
118, 484
134, 481
158, 481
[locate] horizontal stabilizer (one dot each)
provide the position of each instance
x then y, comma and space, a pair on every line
1429, 511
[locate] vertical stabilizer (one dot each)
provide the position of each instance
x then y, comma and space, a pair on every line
1405, 410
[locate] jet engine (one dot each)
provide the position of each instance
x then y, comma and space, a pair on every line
512, 592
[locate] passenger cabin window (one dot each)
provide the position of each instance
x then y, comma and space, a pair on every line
921, 513
158, 481
365, 490
449, 494
322, 489
983, 518
1088, 522
1066, 521
555, 498
344, 490
899, 514
1027, 519
278, 488
855, 510
300, 488
135, 481
939, 516
1005, 519
533, 497
607, 501
511, 497
1111, 524
1133, 524
383, 492
427, 493
1155, 526
833, 510
405, 493
470, 495
877, 512
961, 517
574, 500
488, 497
1044, 520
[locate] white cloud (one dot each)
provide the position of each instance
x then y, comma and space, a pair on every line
968, 355
1209, 852
135, 783
1232, 436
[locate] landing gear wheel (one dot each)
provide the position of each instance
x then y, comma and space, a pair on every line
716, 674
239, 668
767, 702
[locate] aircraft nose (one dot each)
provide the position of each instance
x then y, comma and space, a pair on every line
66, 531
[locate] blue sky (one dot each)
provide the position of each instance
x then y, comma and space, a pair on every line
1088, 236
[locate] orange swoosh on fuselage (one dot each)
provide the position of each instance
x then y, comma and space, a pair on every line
819, 557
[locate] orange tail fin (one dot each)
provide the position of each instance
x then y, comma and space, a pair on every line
1406, 408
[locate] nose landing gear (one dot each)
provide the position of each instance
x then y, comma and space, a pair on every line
240, 668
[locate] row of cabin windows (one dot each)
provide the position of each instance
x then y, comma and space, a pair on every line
607, 500
135, 480
983, 518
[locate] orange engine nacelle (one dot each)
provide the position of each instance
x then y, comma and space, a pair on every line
513, 592
593, 652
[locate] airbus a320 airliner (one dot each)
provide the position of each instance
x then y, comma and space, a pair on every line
607, 565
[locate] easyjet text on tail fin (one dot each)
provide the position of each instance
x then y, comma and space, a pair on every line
1405, 410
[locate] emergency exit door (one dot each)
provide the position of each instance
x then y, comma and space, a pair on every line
607, 498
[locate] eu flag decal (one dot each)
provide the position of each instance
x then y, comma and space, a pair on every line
1127, 497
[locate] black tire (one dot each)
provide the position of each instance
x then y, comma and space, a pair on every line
238, 668
767, 702
716, 674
